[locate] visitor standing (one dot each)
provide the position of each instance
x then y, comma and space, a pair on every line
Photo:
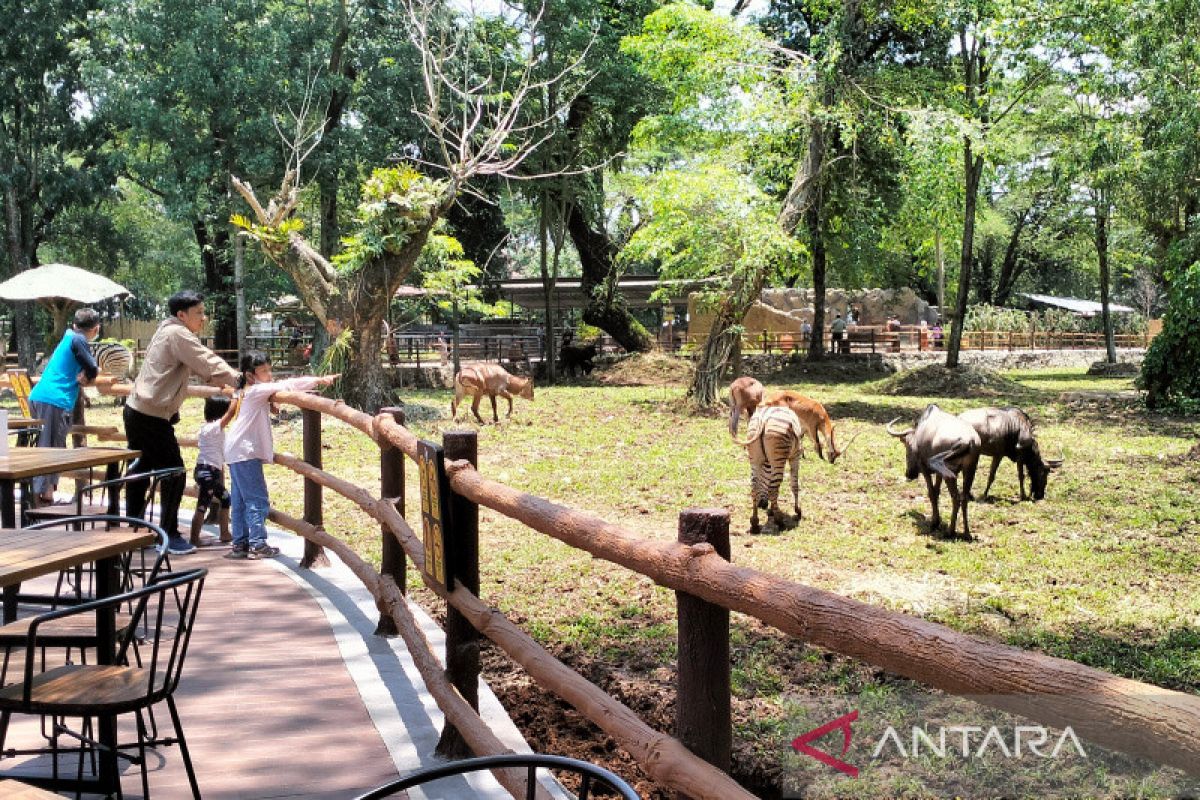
54, 397
838, 332
249, 445
174, 355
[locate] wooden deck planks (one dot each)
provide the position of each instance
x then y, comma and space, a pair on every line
268, 707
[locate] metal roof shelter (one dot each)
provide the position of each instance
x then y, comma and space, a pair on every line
636, 289
1086, 308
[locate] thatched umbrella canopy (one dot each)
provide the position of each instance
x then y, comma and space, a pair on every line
61, 288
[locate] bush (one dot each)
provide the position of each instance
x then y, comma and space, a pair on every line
1056, 320
1171, 370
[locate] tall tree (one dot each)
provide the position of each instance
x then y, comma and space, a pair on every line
477, 124
197, 88
54, 147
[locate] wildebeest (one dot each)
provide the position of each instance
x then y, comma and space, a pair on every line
745, 393
577, 356
942, 446
1008, 432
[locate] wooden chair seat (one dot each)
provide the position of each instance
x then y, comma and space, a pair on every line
15, 790
66, 632
65, 510
82, 690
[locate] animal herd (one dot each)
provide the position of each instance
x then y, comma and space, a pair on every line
940, 447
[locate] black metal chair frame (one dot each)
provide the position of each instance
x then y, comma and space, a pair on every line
163, 667
589, 774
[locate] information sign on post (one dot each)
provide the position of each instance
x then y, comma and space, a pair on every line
435, 511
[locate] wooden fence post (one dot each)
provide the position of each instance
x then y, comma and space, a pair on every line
314, 554
462, 552
391, 484
703, 718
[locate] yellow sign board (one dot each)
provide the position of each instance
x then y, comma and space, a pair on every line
435, 511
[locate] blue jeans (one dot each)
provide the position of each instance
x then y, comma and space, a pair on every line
250, 504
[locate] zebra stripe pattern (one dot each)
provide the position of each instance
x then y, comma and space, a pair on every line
776, 439
113, 358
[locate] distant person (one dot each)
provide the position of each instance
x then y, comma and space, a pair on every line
248, 446
893, 323
210, 469
175, 354
935, 335
55, 395
923, 336
838, 334
806, 331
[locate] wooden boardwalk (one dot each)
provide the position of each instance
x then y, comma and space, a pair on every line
268, 707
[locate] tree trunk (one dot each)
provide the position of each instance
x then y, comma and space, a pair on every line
1102, 213
605, 308
22, 252
549, 282
973, 167
218, 281
364, 384
816, 344
715, 356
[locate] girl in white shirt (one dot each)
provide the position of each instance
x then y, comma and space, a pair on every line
249, 445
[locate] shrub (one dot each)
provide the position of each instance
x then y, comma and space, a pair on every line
1171, 369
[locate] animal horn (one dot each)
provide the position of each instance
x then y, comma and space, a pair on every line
1055, 463
834, 453
897, 434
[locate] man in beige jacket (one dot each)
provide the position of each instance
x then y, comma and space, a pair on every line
175, 354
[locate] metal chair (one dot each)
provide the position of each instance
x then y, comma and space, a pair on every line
588, 773
168, 606
94, 499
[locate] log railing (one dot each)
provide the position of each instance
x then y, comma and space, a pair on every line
1098, 705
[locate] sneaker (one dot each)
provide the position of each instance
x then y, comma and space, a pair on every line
178, 546
236, 552
263, 550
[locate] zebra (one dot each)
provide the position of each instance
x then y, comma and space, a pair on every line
775, 438
112, 358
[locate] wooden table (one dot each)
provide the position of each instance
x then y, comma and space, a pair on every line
29, 554
22, 463
23, 423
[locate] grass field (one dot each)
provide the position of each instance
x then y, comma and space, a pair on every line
1105, 571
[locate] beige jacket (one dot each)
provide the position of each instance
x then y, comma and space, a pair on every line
174, 355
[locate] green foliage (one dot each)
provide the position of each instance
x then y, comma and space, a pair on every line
1171, 370
1056, 320
397, 202
705, 220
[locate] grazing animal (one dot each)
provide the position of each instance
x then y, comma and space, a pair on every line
775, 439
745, 394
942, 446
573, 357
490, 379
1008, 432
814, 418
113, 358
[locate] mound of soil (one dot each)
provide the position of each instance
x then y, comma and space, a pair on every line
1119, 370
646, 369
939, 381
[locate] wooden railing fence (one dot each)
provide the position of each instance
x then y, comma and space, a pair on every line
1098, 705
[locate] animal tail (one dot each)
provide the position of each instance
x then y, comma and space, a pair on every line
735, 413
937, 462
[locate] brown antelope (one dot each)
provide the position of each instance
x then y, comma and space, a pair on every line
814, 418
745, 394
490, 379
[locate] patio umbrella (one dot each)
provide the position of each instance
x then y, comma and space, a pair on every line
60, 288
